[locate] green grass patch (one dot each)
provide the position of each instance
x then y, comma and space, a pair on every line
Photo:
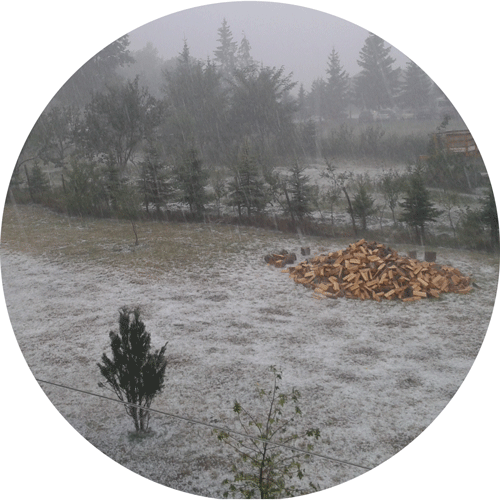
163, 246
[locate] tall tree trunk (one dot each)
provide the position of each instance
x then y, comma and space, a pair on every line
29, 184
351, 212
289, 206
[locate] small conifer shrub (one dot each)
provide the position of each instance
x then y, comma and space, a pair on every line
134, 373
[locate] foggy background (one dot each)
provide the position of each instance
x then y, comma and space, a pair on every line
298, 38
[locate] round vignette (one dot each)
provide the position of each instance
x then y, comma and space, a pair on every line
470, 117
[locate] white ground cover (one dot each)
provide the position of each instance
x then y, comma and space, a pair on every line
372, 375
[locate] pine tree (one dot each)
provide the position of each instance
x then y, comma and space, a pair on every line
416, 88
244, 59
363, 204
191, 180
337, 87
134, 373
225, 54
155, 181
376, 86
184, 57
247, 188
417, 207
299, 193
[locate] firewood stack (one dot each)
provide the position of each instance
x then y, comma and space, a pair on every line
374, 271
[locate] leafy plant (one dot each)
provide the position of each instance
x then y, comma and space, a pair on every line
391, 185
334, 183
266, 467
85, 192
134, 374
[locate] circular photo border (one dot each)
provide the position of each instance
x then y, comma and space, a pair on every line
46, 43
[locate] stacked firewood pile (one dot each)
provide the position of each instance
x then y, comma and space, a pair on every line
374, 271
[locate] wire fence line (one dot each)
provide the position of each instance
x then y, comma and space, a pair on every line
199, 422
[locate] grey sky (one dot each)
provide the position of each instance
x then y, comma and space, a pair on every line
298, 38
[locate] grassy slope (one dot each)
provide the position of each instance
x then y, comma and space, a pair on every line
373, 376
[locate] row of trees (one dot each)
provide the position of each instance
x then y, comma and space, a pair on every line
218, 129
257, 190
378, 85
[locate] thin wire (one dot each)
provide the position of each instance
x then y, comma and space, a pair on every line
180, 417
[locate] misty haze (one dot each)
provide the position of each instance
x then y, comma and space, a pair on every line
288, 230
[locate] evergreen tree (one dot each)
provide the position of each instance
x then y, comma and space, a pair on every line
299, 193
337, 87
416, 88
184, 57
363, 203
134, 373
155, 181
244, 59
247, 188
191, 180
489, 216
225, 54
377, 83
417, 207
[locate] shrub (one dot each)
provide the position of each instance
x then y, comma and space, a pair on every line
84, 191
38, 183
134, 374
391, 185
265, 467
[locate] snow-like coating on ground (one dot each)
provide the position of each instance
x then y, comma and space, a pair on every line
372, 375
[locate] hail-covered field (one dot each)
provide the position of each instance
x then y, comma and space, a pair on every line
372, 375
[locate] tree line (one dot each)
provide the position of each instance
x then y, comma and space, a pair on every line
226, 131
212, 105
